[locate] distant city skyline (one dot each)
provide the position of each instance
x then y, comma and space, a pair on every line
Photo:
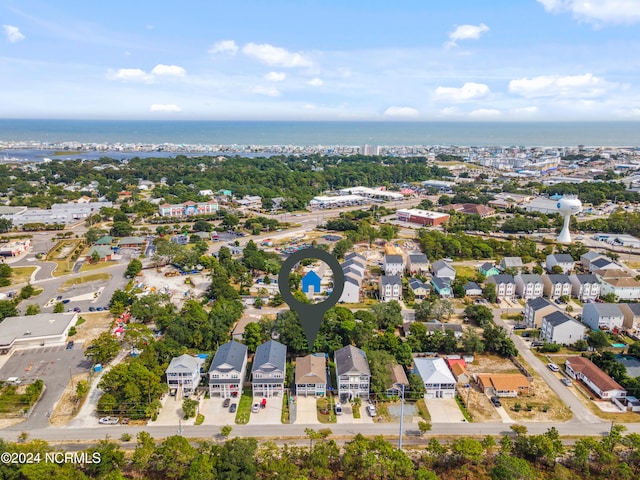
461, 60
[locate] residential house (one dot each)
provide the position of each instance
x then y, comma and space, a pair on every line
563, 260
587, 258
351, 290
584, 370
393, 264
356, 257
528, 285
558, 327
442, 286
442, 269
311, 375
390, 287
487, 269
603, 316
631, 312
511, 263
623, 287
238, 330
505, 285
102, 253
419, 288
458, 367
438, 380
584, 287
535, 309
603, 263
503, 384
456, 328
398, 379
556, 285
228, 370
183, 373
268, 370
472, 289
417, 263
311, 283
352, 372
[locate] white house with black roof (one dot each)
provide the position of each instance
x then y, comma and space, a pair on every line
587, 258
393, 264
443, 269
505, 285
268, 370
584, 286
228, 370
417, 263
558, 327
603, 263
529, 285
390, 287
535, 309
352, 372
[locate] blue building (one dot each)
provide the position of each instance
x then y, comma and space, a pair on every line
311, 280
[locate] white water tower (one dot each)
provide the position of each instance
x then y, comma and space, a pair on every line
568, 205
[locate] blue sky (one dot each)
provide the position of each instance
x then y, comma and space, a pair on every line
321, 60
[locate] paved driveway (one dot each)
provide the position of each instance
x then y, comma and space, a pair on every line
306, 413
215, 414
171, 413
444, 410
270, 415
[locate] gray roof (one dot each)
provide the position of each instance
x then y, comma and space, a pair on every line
356, 256
443, 327
601, 262
586, 278
355, 261
558, 318
393, 259
34, 326
562, 257
604, 309
441, 264
185, 363
590, 255
351, 360
511, 262
472, 286
418, 258
441, 283
390, 280
270, 356
487, 266
530, 278
231, 353
501, 278
539, 303
634, 307
349, 278
558, 278
415, 283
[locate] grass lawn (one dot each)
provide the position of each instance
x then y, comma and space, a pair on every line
61, 254
88, 267
199, 419
465, 271
105, 277
285, 418
244, 408
21, 274
423, 411
326, 412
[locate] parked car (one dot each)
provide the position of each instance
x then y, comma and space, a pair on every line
109, 420
92, 309
553, 367
65, 301
255, 408
537, 344
226, 402
77, 309
70, 345
525, 334
566, 381
58, 298
233, 408
519, 327
338, 408
371, 410
496, 401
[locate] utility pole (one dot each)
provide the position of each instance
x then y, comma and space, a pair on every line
401, 419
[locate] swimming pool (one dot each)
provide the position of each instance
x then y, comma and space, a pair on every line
618, 345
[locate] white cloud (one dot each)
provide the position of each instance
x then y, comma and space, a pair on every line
275, 56
468, 91
268, 91
159, 107
168, 70
585, 85
275, 76
525, 110
12, 33
315, 82
482, 113
224, 46
401, 112
597, 11
132, 75
466, 32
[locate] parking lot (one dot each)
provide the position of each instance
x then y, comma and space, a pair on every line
54, 365
269, 415
215, 414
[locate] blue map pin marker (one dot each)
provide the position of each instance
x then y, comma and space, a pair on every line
311, 315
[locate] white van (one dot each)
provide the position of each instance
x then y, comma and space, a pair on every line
14, 380
338, 409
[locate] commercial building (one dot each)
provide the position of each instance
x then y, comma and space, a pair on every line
59, 213
421, 217
187, 209
35, 330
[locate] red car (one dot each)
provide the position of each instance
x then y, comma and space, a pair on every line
263, 404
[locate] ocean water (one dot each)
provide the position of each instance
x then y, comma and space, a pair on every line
525, 134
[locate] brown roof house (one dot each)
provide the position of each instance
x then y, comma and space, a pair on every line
311, 375
503, 384
583, 369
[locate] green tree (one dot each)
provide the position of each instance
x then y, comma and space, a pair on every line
189, 408
172, 458
58, 307
489, 292
226, 431
511, 468
103, 348
33, 309
133, 269
597, 339
424, 427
